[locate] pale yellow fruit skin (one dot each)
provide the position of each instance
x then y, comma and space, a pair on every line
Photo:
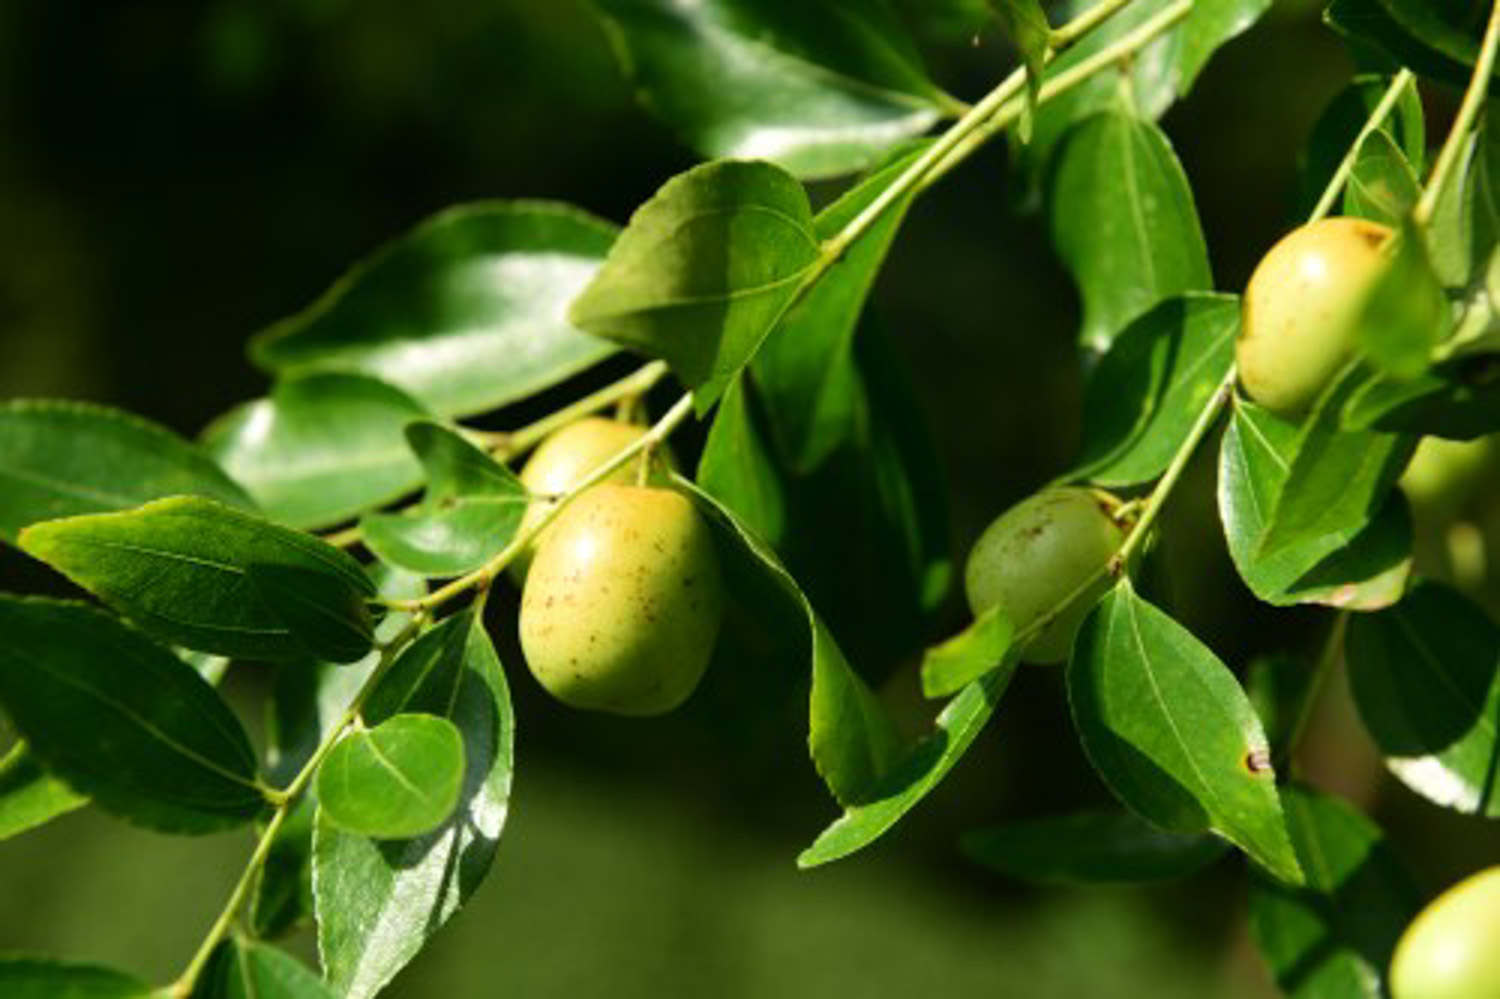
1034, 555
623, 603
1452, 949
1298, 326
565, 459
1443, 475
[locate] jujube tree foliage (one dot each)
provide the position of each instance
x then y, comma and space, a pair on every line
347, 528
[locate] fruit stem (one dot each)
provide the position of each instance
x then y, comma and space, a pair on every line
485, 574
285, 801
1168, 481
1004, 113
1468, 111
1377, 118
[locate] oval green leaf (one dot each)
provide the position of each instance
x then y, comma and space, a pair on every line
1382, 184
1090, 848
379, 901
397, 780
821, 88
1341, 122
61, 459
1146, 392
472, 508
981, 647
1170, 730
1361, 566
704, 271
1426, 677
322, 448
466, 312
42, 978
1334, 936
242, 969
1122, 219
123, 720
186, 569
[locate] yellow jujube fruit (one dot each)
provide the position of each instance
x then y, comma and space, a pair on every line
1452, 949
623, 602
1301, 310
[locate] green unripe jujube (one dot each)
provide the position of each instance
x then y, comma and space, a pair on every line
623, 602
1034, 556
1300, 313
565, 459
1452, 949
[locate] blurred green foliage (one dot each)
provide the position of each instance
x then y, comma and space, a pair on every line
174, 177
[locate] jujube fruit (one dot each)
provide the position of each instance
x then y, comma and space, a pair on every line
1032, 559
1452, 949
623, 602
1301, 310
566, 458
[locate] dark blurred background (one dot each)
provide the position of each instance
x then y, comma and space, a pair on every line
175, 176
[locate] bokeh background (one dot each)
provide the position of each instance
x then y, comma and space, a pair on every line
175, 176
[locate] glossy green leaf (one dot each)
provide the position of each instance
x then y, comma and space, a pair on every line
1359, 564
1382, 184
181, 568
821, 88
123, 720
397, 780
704, 271
981, 647
43, 978
1172, 733
472, 508
1406, 313
1453, 28
466, 312
1122, 219
917, 772
1027, 28
1090, 848
946, 21
805, 368
1426, 677
242, 969
322, 448
28, 796
378, 901
737, 467
1332, 938
1337, 481
59, 459
1147, 391
1340, 124
1459, 400
852, 740
1465, 223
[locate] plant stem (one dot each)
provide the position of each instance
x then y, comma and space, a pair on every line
1315, 684
1377, 117
911, 179
1168, 481
1005, 112
485, 574
514, 442
286, 801
1468, 111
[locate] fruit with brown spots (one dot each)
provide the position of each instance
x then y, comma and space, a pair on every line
565, 459
623, 602
1301, 310
1033, 559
